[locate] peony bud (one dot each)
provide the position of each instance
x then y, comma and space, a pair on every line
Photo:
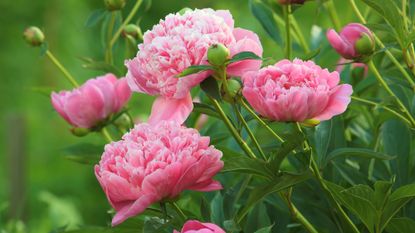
34, 36
132, 30
355, 41
123, 122
114, 5
287, 2
218, 54
80, 132
233, 87
310, 122
184, 10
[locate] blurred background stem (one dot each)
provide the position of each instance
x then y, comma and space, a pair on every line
65, 72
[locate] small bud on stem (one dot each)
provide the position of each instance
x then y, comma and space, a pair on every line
218, 54
34, 36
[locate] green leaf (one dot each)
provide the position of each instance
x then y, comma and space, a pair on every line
312, 54
243, 164
357, 152
210, 87
85, 153
205, 109
265, 229
265, 16
102, 66
231, 225
400, 225
95, 17
205, 209
291, 142
46, 91
244, 56
195, 69
278, 184
398, 199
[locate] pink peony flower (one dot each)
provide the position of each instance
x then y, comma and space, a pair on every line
296, 91
154, 162
93, 102
346, 43
193, 226
180, 41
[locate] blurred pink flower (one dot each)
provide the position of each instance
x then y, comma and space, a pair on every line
296, 91
345, 43
180, 41
93, 102
193, 226
154, 162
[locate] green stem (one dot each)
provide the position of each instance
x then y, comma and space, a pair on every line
232, 129
178, 210
106, 135
333, 15
108, 52
297, 215
164, 211
246, 106
375, 71
62, 68
250, 133
287, 12
126, 21
384, 107
379, 42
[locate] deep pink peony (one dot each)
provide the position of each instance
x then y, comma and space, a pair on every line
180, 41
296, 91
93, 102
345, 42
193, 226
154, 162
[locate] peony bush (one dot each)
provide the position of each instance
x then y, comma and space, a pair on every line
239, 142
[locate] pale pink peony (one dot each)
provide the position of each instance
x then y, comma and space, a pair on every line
154, 162
345, 42
180, 41
193, 226
93, 102
296, 91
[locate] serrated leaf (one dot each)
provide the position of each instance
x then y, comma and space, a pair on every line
265, 16
244, 56
95, 17
85, 153
195, 69
210, 87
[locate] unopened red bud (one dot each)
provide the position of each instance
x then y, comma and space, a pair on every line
34, 36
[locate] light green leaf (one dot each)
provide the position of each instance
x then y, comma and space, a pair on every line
195, 69
400, 225
84, 153
95, 17
265, 229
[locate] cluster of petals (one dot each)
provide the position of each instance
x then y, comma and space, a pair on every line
345, 42
93, 102
156, 162
296, 91
180, 41
193, 226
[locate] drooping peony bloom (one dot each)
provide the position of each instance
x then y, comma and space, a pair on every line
93, 102
296, 91
354, 41
155, 162
182, 40
193, 226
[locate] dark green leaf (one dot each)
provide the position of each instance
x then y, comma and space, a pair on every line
278, 184
265, 229
194, 69
243, 164
205, 109
311, 54
210, 87
291, 142
266, 17
357, 152
244, 56
84, 153
95, 17
231, 226
400, 225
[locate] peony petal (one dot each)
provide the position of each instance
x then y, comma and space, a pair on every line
340, 45
339, 100
171, 109
136, 208
241, 67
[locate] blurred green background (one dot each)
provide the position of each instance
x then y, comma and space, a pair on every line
50, 191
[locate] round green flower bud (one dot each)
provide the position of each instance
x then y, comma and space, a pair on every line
218, 54
114, 5
132, 30
310, 122
80, 132
34, 36
365, 45
184, 10
233, 87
